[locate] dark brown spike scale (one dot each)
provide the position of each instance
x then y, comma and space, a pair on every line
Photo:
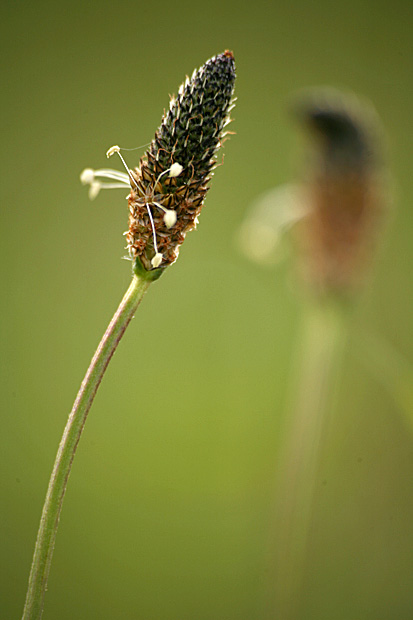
191, 132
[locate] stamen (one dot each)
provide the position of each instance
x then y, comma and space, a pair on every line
116, 149
157, 260
90, 177
113, 175
112, 150
170, 216
158, 257
94, 189
87, 176
174, 171
114, 185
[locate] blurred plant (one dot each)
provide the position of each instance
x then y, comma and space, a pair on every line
335, 214
167, 192
345, 192
336, 210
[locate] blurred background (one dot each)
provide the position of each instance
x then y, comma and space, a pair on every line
169, 513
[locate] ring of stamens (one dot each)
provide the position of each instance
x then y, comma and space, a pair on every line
170, 216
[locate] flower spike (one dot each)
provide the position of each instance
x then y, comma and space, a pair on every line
168, 188
174, 173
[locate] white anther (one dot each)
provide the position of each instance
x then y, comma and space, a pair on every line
94, 189
87, 176
157, 260
175, 170
169, 218
112, 150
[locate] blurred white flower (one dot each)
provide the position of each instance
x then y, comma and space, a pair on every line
270, 216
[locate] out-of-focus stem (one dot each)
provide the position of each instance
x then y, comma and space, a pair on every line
314, 381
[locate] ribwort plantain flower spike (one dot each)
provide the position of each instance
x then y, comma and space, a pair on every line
169, 187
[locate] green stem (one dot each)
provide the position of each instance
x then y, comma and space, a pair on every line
316, 370
46, 535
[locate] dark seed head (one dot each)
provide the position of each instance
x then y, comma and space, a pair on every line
191, 132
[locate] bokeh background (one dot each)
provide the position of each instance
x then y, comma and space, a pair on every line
169, 510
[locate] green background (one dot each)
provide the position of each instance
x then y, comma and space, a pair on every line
168, 512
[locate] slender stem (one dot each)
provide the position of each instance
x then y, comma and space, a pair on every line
321, 346
46, 535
